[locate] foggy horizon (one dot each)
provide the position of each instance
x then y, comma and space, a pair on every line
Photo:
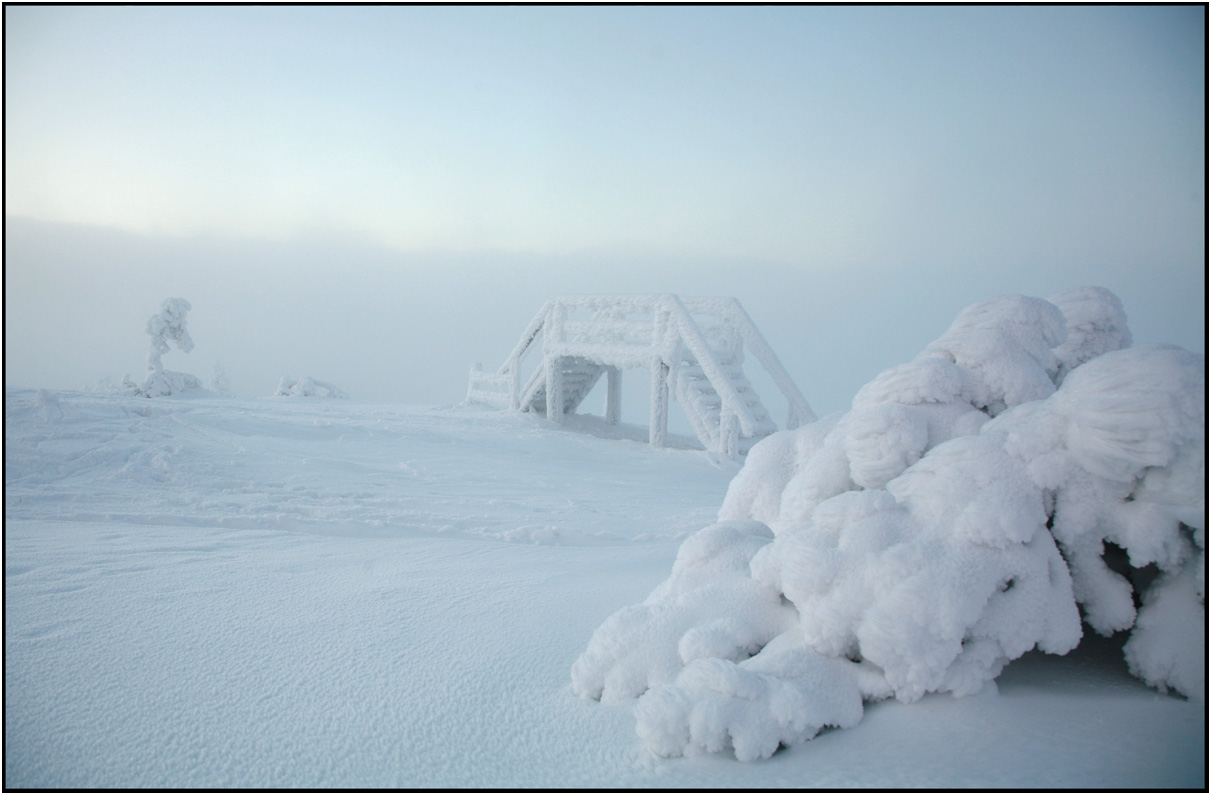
379, 197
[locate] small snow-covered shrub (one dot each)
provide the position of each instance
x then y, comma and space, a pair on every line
168, 325
107, 386
968, 508
307, 387
219, 382
168, 382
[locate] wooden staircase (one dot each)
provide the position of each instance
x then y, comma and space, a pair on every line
577, 377
693, 347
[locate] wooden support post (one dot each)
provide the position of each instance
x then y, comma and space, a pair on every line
473, 381
614, 395
730, 435
555, 389
515, 387
658, 418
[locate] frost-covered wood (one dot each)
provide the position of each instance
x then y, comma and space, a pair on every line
614, 395
692, 347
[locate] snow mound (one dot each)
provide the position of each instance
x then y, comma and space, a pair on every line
307, 387
162, 383
1025, 470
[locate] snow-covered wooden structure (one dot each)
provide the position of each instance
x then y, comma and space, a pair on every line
693, 347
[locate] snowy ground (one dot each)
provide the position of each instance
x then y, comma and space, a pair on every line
292, 593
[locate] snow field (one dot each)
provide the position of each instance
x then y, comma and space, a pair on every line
345, 469
161, 657
166, 657
265, 593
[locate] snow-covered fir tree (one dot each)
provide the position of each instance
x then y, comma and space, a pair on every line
1027, 471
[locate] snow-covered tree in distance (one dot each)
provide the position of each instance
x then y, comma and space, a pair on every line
168, 325
973, 504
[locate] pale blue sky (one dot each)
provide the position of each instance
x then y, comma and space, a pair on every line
931, 145
790, 134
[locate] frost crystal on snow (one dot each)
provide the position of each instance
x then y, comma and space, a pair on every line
1025, 472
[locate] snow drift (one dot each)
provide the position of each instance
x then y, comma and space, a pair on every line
1029, 469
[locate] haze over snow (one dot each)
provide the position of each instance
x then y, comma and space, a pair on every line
381, 196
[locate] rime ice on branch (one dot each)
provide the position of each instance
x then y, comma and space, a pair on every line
169, 325
1025, 471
